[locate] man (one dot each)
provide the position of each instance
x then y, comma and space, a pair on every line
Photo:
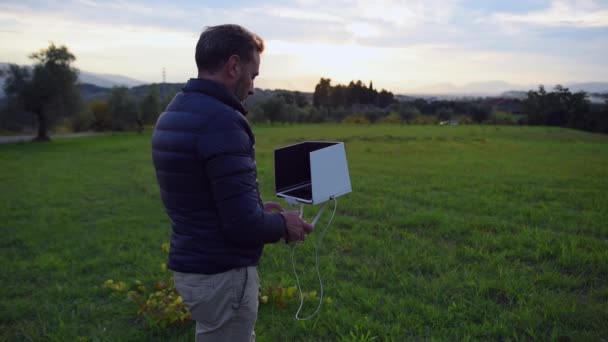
203, 152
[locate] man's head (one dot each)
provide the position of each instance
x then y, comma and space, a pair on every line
229, 54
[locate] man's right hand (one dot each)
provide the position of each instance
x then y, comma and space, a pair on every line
297, 228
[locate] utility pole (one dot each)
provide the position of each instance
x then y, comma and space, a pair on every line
164, 87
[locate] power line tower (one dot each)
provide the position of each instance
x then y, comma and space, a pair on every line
163, 88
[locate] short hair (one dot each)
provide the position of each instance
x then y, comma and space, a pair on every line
217, 43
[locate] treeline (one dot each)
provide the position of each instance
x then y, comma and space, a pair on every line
51, 93
328, 104
357, 103
561, 107
122, 111
355, 93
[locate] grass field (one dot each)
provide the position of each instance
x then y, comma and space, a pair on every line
451, 233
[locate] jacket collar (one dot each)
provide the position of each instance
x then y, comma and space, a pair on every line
215, 90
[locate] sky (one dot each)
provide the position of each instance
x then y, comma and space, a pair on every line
399, 45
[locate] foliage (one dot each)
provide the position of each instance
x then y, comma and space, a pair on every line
392, 118
150, 106
356, 119
102, 119
272, 110
49, 90
321, 95
426, 120
326, 95
14, 119
293, 98
82, 121
502, 118
283, 297
123, 110
163, 306
407, 112
160, 307
444, 113
479, 112
561, 107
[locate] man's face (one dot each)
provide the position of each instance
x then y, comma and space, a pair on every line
244, 85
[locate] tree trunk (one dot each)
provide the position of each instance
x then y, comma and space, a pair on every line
42, 128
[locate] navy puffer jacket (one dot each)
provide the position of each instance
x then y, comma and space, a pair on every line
203, 152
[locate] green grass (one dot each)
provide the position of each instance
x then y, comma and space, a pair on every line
451, 233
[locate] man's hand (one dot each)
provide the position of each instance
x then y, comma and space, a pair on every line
270, 206
297, 228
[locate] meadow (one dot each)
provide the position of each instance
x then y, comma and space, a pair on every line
450, 233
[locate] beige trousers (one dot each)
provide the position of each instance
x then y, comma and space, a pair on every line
224, 305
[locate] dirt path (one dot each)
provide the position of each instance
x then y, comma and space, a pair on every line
20, 138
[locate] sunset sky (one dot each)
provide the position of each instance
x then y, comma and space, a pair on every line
399, 45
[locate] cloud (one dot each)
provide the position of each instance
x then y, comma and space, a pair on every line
382, 23
394, 43
580, 14
355, 20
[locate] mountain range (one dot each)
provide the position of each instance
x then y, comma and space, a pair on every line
490, 88
494, 88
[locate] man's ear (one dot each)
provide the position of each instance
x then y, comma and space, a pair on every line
234, 66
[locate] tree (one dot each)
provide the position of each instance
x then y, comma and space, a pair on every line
479, 112
301, 100
49, 90
602, 125
338, 96
101, 113
444, 113
321, 94
558, 108
123, 110
384, 98
274, 109
150, 105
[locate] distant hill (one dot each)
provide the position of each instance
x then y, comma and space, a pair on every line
490, 88
589, 87
498, 88
91, 92
515, 94
108, 80
97, 86
85, 77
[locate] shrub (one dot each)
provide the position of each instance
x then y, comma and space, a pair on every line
502, 118
356, 119
82, 121
163, 306
392, 118
102, 120
425, 120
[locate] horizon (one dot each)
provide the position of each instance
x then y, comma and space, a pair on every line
400, 47
435, 90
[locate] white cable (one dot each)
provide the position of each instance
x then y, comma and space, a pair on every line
293, 263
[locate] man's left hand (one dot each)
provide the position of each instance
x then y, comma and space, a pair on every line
271, 206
